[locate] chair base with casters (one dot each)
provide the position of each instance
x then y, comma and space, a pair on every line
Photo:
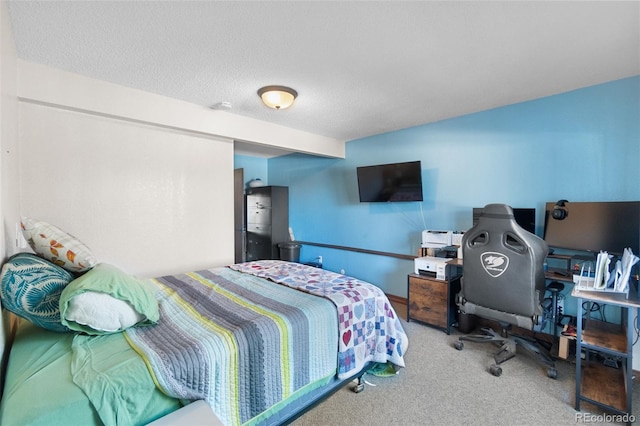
508, 344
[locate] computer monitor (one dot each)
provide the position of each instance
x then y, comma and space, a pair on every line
525, 217
593, 226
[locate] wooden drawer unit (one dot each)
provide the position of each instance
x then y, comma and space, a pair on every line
432, 301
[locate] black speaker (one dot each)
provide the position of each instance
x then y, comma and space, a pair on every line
559, 212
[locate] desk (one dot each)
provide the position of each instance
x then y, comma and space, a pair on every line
606, 387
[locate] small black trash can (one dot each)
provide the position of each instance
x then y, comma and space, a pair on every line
289, 251
466, 323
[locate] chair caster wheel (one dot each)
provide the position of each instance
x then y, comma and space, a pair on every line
458, 345
552, 373
495, 370
359, 388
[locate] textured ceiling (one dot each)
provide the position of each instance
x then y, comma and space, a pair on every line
360, 68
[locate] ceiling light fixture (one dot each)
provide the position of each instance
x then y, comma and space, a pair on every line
277, 97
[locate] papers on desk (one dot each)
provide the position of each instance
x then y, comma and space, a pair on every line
602, 270
606, 278
623, 268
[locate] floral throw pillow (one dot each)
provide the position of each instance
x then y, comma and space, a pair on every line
57, 246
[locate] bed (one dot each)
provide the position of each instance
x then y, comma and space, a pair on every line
259, 342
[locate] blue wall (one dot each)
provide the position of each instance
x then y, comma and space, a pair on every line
254, 168
581, 146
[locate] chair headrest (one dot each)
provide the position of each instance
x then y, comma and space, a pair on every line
502, 211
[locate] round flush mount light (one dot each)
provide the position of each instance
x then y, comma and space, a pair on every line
277, 97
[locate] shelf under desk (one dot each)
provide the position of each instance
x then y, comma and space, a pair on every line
606, 387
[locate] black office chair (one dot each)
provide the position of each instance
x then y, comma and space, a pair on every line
503, 280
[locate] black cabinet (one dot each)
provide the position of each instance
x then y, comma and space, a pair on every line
267, 221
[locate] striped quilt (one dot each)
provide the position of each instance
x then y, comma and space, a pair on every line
241, 343
369, 328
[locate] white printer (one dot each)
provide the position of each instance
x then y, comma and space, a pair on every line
436, 239
435, 267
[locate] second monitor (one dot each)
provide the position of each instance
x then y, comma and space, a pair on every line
524, 217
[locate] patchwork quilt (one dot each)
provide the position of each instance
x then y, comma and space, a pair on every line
369, 328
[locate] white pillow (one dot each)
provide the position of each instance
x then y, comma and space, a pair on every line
57, 246
103, 312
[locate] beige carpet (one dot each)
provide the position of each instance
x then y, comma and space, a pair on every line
441, 385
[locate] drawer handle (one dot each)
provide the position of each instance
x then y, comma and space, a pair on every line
415, 306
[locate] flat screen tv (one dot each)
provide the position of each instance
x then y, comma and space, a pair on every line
526, 218
593, 226
390, 182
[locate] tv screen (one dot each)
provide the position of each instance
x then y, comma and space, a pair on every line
526, 218
594, 226
390, 182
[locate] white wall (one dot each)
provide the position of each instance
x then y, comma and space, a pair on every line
9, 154
128, 173
149, 200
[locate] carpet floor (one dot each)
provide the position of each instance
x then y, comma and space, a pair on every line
441, 385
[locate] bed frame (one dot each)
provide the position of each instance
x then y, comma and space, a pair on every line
199, 412
315, 398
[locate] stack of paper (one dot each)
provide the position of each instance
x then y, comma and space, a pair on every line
622, 270
602, 270
616, 279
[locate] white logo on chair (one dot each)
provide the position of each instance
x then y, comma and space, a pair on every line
494, 263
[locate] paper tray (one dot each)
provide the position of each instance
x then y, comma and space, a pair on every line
586, 283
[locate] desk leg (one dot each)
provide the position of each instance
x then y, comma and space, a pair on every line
629, 372
578, 352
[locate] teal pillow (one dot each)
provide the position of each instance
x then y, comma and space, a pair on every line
31, 288
106, 300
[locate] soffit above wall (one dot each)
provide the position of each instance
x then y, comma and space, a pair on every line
256, 150
52, 87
